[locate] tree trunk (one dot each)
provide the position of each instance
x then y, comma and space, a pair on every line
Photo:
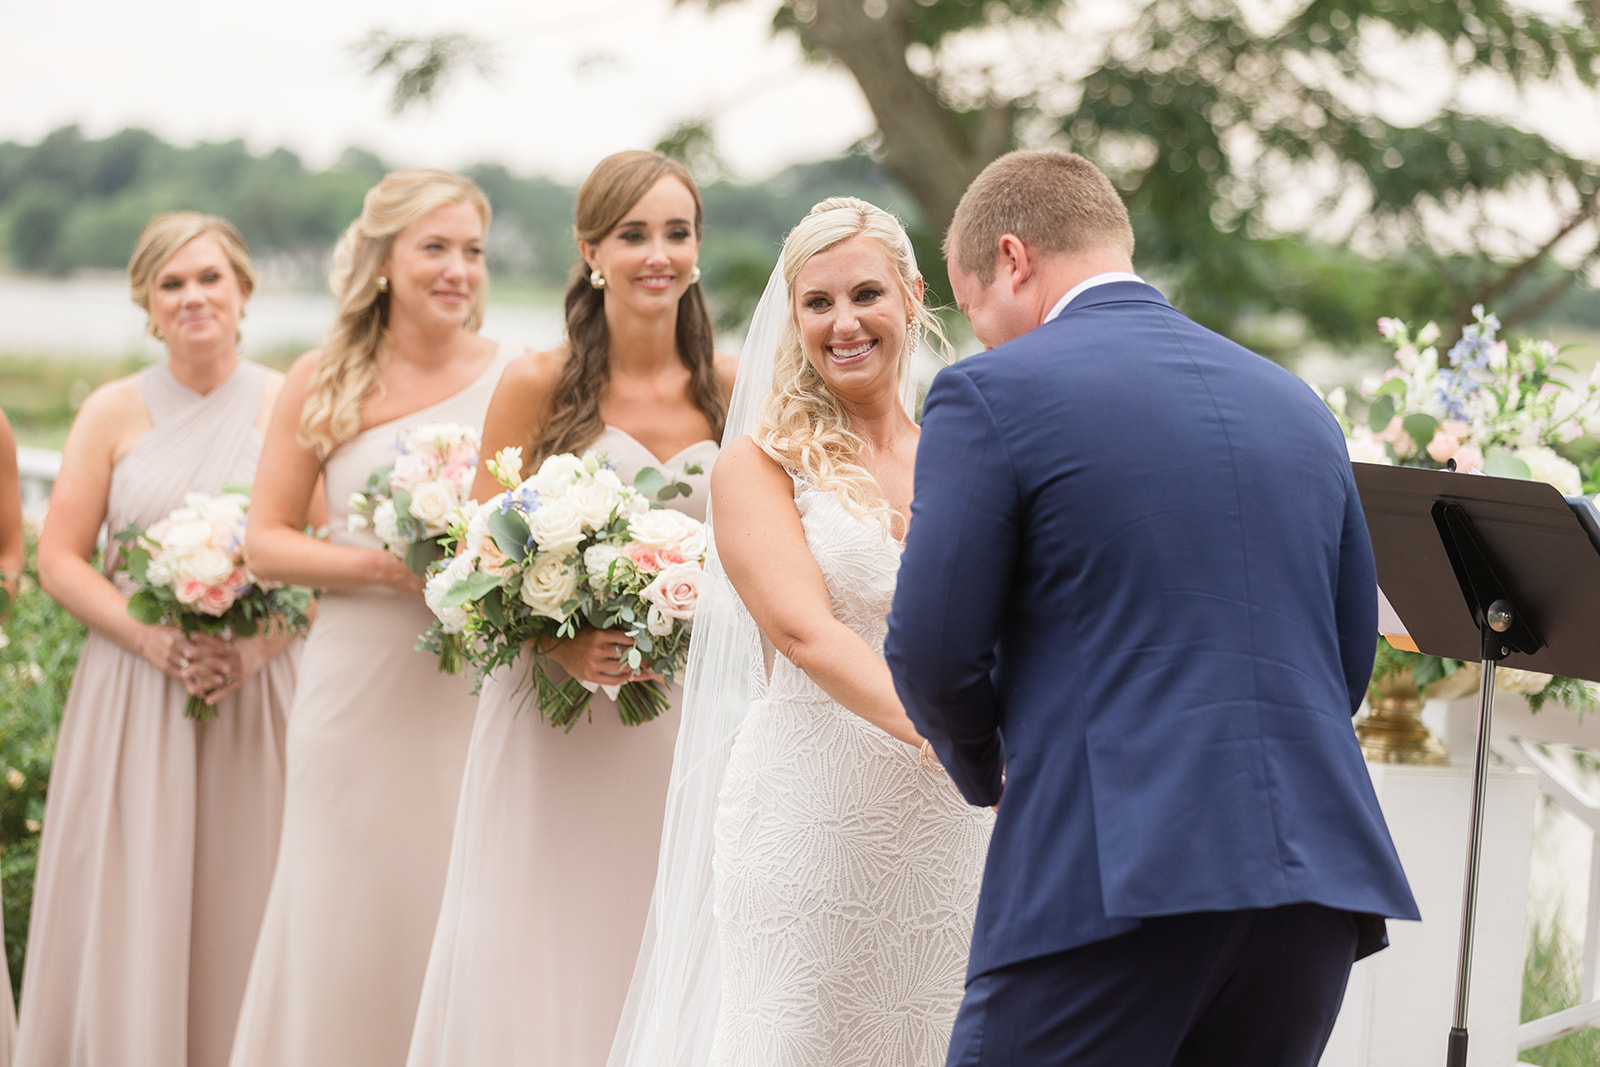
925, 145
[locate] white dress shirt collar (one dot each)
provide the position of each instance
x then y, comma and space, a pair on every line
1089, 283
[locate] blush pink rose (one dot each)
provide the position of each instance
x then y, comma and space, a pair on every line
189, 591
1443, 446
644, 558
216, 600
1468, 458
458, 479
670, 556
676, 590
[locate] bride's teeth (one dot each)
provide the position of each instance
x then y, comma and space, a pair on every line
850, 353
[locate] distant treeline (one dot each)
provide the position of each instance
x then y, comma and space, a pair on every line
71, 203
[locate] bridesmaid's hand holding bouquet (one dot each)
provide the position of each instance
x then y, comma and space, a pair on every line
190, 572
567, 548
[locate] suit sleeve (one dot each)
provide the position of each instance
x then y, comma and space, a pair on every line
955, 579
1356, 598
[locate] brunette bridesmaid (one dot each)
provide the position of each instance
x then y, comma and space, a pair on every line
555, 844
377, 736
160, 830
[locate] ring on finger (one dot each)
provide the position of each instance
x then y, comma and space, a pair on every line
183, 662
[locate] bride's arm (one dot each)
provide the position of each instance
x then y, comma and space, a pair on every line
763, 548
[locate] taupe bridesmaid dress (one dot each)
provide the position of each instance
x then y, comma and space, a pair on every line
377, 742
159, 831
552, 865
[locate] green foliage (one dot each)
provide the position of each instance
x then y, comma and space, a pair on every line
1549, 984
36, 664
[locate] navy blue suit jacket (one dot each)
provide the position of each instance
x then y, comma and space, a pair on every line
1138, 578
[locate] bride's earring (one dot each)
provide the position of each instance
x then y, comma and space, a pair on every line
913, 333
694, 275
596, 279
383, 284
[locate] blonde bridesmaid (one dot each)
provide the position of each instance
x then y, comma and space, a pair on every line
555, 844
160, 831
377, 736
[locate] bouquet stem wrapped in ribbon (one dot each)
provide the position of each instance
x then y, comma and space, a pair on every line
572, 546
190, 572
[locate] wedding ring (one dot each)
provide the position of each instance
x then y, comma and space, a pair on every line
226, 678
183, 662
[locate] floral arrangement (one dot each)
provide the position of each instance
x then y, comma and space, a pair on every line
190, 571
571, 546
409, 503
1486, 406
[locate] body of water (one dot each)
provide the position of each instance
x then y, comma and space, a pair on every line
91, 316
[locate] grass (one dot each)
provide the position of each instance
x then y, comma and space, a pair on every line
1549, 984
42, 393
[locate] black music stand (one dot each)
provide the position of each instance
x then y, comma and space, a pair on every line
1489, 569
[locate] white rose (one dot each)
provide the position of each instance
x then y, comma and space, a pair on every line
355, 523
385, 523
597, 560
659, 528
1546, 466
634, 502
596, 497
659, 622
1366, 450
557, 526
453, 619
676, 590
410, 471
431, 504
187, 534
557, 474
209, 565
693, 545
547, 584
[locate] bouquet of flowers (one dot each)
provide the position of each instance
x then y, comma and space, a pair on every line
1485, 406
190, 571
409, 503
568, 547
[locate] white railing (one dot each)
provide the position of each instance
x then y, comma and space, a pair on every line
1564, 789
38, 468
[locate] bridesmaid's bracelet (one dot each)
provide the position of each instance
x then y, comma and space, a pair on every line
930, 762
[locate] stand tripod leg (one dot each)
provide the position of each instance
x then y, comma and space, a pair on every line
1456, 1055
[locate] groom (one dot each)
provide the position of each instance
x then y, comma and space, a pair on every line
1138, 599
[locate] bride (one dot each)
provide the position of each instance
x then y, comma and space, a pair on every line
846, 868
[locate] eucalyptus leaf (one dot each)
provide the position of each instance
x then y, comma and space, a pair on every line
1505, 465
1382, 413
510, 533
1421, 428
421, 554
649, 482
145, 608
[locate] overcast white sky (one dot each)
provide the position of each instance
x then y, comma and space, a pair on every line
576, 79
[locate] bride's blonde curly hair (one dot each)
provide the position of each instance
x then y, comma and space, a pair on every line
346, 375
802, 425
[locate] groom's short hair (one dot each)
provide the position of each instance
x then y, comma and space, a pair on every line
1055, 201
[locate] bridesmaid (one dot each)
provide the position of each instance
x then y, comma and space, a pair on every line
377, 736
160, 831
556, 839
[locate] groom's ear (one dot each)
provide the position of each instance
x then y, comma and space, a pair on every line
1014, 262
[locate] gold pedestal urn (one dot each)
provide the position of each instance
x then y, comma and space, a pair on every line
1392, 731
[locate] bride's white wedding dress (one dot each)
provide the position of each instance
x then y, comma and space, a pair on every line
847, 874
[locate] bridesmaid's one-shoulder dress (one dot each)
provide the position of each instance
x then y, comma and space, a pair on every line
377, 742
